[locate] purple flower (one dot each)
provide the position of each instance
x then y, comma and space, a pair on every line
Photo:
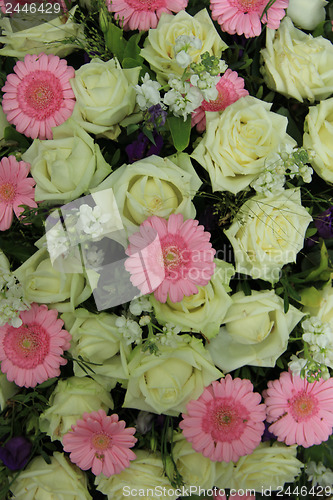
15, 453
156, 116
267, 435
324, 224
142, 147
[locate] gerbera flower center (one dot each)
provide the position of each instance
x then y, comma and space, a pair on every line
40, 94
7, 192
101, 441
26, 346
146, 5
247, 6
175, 255
224, 420
303, 406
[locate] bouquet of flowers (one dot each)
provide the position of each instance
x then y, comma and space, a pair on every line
166, 218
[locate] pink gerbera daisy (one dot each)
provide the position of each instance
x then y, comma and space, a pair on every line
15, 190
226, 421
170, 257
38, 95
243, 16
143, 14
230, 88
31, 353
302, 412
101, 443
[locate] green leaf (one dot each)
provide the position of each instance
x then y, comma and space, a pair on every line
130, 62
47, 383
311, 231
280, 364
10, 134
292, 128
132, 49
180, 131
115, 42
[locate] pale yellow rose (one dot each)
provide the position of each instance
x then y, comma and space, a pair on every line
159, 45
195, 469
296, 64
70, 399
7, 390
237, 142
43, 284
266, 467
154, 186
307, 14
256, 331
96, 339
267, 233
318, 138
166, 382
59, 480
204, 311
139, 480
67, 166
105, 95
24, 35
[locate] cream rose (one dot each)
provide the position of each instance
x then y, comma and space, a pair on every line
159, 45
154, 186
266, 467
67, 166
105, 95
195, 469
236, 143
43, 284
140, 479
267, 233
59, 480
25, 36
256, 331
96, 339
307, 14
296, 64
69, 401
204, 311
165, 383
318, 137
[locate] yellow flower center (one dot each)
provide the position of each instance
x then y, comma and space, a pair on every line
7, 192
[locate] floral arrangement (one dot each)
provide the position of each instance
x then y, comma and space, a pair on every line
166, 218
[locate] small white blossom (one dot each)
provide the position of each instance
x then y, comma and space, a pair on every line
185, 44
140, 304
306, 173
206, 83
317, 333
269, 183
12, 300
130, 330
91, 220
296, 364
183, 104
319, 474
94, 257
57, 243
144, 320
148, 93
183, 59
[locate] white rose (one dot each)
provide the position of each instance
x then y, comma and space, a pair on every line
166, 382
96, 339
154, 186
105, 95
307, 14
236, 143
266, 467
195, 469
159, 46
204, 311
296, 64
67, 166
23, 37
256, 331
69, 401
59, 480
318, 137
140, 479
319, 303
267, 233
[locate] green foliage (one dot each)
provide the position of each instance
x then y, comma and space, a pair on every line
180, 131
